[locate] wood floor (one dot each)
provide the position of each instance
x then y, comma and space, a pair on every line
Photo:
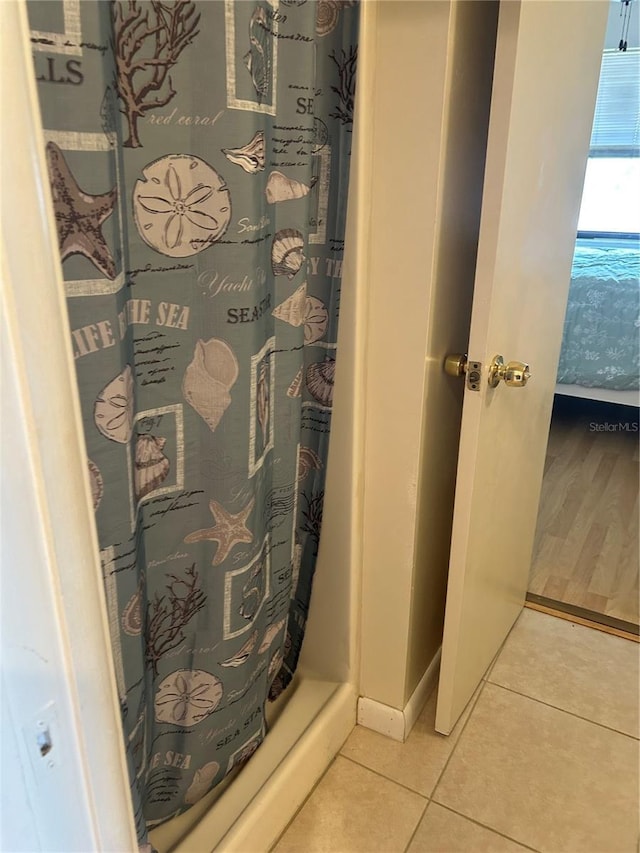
586, 547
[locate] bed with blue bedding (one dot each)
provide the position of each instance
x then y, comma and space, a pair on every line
601, 341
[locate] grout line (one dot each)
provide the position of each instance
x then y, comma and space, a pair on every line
446, 764
386, 778
486, 826
417, 826
563, 710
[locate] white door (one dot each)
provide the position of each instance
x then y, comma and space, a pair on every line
546, 77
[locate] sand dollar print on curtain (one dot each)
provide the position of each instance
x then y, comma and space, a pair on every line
198, 155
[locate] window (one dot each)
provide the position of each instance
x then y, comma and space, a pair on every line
611, 195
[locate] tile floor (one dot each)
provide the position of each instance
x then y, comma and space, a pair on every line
546, 757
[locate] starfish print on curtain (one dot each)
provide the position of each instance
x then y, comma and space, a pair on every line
228, 531
79, 216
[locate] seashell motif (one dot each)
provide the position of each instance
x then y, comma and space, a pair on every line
270, 634
113, 410
201, 783
132, 615
242, 656
252, 592
287, 252
250, 603
316, 318
262, 400
320, 378
187, 696
151, 466
308, 460
245, 753
250, 157
281, 188
292, 310
295, 389
96, 483
209, 378
182, 206
320, 135
258, 59
327, 16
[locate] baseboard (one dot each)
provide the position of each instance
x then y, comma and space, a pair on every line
381, 718
397, 723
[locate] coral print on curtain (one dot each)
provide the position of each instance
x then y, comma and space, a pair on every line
198, 154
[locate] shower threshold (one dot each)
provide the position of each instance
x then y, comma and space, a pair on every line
307, 727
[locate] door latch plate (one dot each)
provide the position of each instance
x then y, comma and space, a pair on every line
474, 374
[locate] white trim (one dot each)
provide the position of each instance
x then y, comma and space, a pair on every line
381, 718
397, 723
605, 395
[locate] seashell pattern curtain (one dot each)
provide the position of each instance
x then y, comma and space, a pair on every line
198, 154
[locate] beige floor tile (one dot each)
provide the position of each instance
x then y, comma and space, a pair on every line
544, 777
416, 763
443, 831
587, 672
353, 809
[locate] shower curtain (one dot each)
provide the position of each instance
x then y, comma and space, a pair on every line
198, 155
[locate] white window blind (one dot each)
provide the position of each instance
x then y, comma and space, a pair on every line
616, 125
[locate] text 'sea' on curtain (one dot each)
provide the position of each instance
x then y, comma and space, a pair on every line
198, 154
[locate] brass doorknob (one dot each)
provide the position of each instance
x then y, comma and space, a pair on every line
515, 374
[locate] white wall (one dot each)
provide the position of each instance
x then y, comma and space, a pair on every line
332, 640
433, 75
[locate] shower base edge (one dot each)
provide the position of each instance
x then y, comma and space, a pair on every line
258, 805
